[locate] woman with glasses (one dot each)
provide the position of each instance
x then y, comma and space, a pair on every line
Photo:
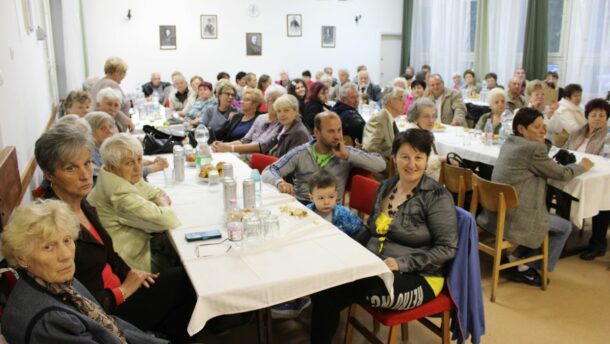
215, 117
238, 125
422, 115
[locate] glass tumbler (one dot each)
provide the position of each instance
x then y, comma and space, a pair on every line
272, 227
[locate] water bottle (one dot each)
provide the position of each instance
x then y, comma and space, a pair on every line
489, 132
484, 91
178, 163
256, 177
204, 154
507, 124
156, 105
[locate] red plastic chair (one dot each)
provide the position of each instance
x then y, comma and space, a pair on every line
260, 161
362, 196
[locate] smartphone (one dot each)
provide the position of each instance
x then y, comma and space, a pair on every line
205, 235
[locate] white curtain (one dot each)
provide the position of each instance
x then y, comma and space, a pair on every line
441, 36
506, 32
588, 50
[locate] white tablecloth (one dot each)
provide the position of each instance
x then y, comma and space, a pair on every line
310, 255
591, 188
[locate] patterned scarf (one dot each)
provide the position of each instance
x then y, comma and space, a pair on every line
85, 306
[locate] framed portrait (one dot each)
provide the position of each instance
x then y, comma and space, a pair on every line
209, 26
294, 25
329, 36
167, 37
254, 44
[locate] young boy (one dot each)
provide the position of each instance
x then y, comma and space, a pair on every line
323, 195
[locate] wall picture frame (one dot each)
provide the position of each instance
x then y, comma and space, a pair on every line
167, 37
294, 25
254, 44
209, 26
329, 36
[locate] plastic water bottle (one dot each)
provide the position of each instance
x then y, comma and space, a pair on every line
204, 154
484, 92
258, 197
507, 124
489, 132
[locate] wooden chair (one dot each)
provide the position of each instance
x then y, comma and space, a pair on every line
10, 184
499, 198
457, 180
362, 196
260, 161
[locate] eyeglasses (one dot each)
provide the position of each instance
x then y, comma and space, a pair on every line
230, 94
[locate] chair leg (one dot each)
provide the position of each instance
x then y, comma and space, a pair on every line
393, 335
405, 332
349, 328
445, 324
545, 261
495, 275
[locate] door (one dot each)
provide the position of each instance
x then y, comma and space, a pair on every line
389, 58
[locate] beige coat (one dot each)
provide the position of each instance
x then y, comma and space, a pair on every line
378, 136
129, 215
452, 108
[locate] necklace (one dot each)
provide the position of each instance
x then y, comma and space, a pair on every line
391, 211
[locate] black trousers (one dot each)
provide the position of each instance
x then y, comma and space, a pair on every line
599, 226
410, 291
165, 307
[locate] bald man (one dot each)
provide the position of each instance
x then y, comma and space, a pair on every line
156, 87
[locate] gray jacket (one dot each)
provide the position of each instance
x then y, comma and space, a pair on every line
32, 315
423, 234
301, 164
526, 165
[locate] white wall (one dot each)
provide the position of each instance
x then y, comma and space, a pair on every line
73, 44
108, 33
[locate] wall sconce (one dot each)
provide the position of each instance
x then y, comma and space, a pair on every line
358, 17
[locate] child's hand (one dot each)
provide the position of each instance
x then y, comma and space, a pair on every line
391, 263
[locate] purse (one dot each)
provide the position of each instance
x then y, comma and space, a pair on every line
159, 142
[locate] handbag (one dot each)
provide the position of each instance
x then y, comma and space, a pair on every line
159, 142
482, 170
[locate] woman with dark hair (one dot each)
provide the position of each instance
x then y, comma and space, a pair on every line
524, 163
470, 83
568, 117
205, 99
298, 88
263, 82
315, 103
591, 139
418, 87
413, 228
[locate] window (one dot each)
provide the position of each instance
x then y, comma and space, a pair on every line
473, 24
555, 21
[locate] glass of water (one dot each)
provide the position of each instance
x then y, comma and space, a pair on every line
272, 227
213, 181
168, 176
253, 230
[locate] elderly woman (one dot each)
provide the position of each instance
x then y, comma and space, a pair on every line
315, 103
215, 117
75, 121
294, 132
131, 209
470, 83
263, 82
422, 115
239, 124
205, 99
569, 116
181, 97
524, 163
298, 88
77, 103
262, 136
535, 94
591, 139
115, 69
48, 305
413, 228
497, 104
380, 130
153, 302
109, 101
195, 82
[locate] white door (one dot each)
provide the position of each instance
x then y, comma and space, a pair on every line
390, 58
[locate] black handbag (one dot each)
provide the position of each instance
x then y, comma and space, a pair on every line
159, 142
482, 170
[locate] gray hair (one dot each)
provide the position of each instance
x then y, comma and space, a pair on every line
415, 109
118, 147
496, 92
343, 70
389, 92
326, 78
89, 82
35, 222
108, 93
436, 75
76, 122
346, 87
178, 76
59, 145
274, 89
97, 118
401, 80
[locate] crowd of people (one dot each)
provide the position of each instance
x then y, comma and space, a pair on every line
94, 254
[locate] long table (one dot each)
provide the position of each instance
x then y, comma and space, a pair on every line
309, 255
591, 189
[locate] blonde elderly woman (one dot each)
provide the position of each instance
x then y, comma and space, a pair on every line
135, 213
497, 104
422, 115
535, 95
380, 130
48, 305
215, 117
293, 133
115, 69
181, 97
240, 123
108, 100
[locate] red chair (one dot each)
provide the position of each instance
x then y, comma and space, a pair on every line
362, 196
260, 161
354, 172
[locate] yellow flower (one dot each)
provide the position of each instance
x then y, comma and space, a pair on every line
382, 227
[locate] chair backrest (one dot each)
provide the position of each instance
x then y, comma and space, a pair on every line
356, 172
457, 180
10, 184
492, 196
260, 161
362, 196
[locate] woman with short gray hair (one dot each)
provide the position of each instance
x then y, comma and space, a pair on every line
497, 103
76, 122
422, 114
108, 100
132, 209
102, 127
181, 96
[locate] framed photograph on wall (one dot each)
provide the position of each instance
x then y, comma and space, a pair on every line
254, 44
329, 36
294, 25
209, 26
167, 37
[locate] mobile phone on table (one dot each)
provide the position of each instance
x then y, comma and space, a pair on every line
201, 236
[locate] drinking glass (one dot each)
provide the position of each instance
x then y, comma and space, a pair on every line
272, 227
253, 231
213, 181
168, 176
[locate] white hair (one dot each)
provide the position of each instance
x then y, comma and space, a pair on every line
346, 87
119, 146
108, 93
391, 91
274, 89
75, 121
495, 92
326, 78
400, 80
97, 118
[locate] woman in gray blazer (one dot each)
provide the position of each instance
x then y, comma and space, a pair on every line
524, 163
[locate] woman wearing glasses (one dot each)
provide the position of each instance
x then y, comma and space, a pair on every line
215, 117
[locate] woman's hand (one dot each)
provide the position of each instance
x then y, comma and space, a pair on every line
162, 200
159, 164
134, 280
391, 263
586, 164
220, 147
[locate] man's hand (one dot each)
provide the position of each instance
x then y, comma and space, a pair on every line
586, 163
284, 187
340, 150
